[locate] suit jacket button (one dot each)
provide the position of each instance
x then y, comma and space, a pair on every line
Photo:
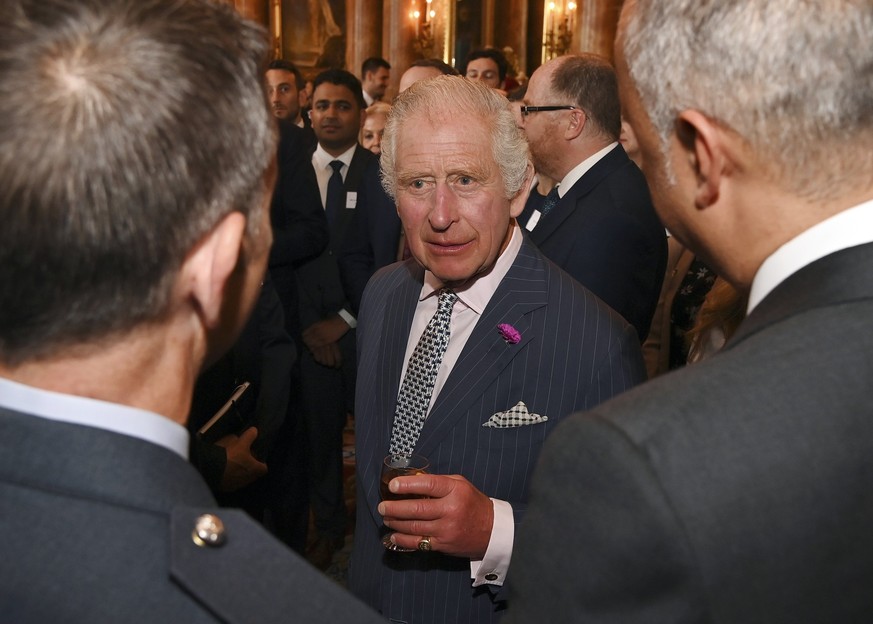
491, 577
208, 531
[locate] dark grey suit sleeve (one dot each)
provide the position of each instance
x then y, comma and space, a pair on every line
600, 541
276, 357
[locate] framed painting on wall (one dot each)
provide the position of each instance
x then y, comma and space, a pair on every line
312, 33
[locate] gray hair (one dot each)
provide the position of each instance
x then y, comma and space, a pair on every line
454, 97
130, 129
791, 77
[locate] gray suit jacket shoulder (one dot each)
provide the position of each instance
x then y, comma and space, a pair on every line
97, 527
574, 352
735, 490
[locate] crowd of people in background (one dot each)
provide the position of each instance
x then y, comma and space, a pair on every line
622, 309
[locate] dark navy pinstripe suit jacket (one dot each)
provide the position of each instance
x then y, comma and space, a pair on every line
574, 353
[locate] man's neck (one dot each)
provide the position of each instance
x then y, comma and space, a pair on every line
336, 152
150, 371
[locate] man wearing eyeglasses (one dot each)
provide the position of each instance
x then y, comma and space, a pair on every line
598, 224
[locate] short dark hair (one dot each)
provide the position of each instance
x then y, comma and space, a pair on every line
343, 78
373, 64
493, 54
589, 82
288, 66
439, 64
110, 177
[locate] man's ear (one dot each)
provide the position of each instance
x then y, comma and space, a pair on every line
363, 117
209, 266
517, 203
708, 154
576, 124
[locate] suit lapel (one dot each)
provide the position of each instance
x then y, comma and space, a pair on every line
359, 163
837, 278
486, 354
565, 207
400, 307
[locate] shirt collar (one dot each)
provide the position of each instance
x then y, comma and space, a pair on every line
322, 159
77, 410
848, 228
476, 293
582, 168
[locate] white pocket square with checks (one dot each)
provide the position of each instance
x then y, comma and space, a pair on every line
516, 416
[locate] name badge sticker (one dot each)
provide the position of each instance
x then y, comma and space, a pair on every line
351, 200
532, 222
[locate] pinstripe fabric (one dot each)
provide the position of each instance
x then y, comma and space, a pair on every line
574, 353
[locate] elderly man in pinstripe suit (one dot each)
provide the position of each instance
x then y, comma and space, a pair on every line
526, 345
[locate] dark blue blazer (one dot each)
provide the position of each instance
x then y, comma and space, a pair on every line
605, 233
373, 239
321, 290
574, 352
299, 227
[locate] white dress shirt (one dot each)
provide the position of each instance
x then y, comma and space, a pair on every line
323, 171
473, 298
849, 228
77, 410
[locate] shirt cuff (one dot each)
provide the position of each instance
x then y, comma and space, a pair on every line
494, 565
348, 318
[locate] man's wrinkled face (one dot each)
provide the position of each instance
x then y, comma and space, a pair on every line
336, 117
450, 196
282, 94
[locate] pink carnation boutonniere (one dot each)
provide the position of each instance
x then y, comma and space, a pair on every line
509, 333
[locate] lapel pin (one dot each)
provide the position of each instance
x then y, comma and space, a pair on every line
509, 333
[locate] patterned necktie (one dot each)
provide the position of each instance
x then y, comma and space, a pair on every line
421, 372
335, 192
550, 202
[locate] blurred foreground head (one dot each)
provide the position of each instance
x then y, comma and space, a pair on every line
745, 146
111, 175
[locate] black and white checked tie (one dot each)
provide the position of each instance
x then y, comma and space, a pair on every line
421, 373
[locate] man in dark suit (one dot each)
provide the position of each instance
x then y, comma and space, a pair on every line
526, 345
133, 245
327, 317
300, 233
737, 489
598, 224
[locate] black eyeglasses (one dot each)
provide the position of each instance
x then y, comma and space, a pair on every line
527, 110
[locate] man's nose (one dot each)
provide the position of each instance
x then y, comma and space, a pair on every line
444, 211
